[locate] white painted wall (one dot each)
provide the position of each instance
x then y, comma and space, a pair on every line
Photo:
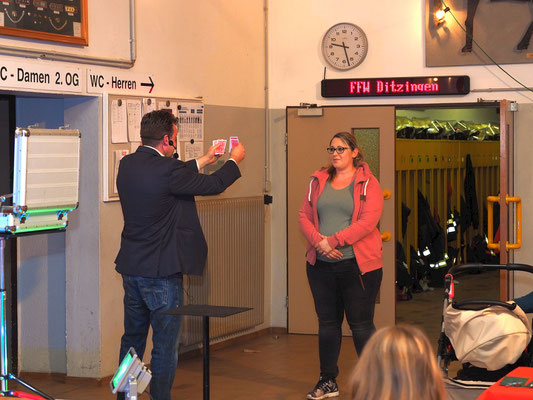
212, 49
395, 32
108, 33
208, 48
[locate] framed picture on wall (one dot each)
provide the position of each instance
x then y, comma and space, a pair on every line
62, 21
471, 30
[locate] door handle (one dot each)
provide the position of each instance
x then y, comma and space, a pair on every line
518, 201
386, 236
490, 222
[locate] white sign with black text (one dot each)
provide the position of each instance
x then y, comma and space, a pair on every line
118, 82
40, 76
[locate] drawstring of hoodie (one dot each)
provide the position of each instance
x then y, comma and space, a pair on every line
309, 195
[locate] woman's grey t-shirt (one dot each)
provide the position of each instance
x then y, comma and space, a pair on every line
335, 210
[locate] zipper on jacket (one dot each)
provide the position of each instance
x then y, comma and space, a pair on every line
360, 275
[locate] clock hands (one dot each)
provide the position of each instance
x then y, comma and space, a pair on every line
340, 45
345, 52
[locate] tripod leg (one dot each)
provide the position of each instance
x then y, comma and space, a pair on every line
4, 375
3, 327
28, 386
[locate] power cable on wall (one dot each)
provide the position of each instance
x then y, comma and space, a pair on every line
481, 48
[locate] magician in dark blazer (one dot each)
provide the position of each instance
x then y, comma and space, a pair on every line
162, 238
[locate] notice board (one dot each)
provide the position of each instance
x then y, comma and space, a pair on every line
121, 131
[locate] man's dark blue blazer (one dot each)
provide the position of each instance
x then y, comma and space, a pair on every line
162, 234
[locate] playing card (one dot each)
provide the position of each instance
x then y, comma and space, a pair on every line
221, 146
233, 141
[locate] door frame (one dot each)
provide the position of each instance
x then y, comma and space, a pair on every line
506, 177
506, 187
506, 174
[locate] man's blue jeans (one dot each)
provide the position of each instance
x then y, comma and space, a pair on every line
144, 299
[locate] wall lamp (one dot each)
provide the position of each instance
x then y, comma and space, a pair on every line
440, 15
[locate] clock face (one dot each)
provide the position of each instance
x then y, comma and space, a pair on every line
344, 46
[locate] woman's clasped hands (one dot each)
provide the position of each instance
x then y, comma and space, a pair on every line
324, 248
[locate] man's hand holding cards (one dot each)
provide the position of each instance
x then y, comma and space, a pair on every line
236, 148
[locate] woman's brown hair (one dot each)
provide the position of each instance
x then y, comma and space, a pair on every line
349, 139
398, 363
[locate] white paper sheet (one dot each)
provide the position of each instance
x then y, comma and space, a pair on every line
149, 104
162, 104
193, 150
191, 121
119, 122
172, 106
134, 120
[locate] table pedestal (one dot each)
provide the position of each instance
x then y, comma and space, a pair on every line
205, 311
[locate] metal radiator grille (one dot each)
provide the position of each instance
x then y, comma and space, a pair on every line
234, 274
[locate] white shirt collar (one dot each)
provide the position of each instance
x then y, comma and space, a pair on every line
153, 148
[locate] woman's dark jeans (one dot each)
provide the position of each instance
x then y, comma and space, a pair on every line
337, 290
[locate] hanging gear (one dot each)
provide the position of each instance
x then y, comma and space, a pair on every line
452, 226
406, 211
404, 281
470, 194
419, 269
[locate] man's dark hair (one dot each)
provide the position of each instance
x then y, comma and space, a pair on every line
155, 125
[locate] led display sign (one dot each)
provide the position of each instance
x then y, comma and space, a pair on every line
413, 86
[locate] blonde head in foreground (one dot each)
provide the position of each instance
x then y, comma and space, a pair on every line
398, 363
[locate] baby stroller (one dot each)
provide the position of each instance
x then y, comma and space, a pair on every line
489, 337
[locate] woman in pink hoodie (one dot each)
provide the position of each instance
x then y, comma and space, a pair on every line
339, 218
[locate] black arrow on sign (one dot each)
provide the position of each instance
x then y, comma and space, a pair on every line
151, 84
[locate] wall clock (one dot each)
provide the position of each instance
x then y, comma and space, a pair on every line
344, 46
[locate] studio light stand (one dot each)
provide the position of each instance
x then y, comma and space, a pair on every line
45, 189
5, 375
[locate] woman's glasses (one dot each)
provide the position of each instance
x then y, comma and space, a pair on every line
339, 149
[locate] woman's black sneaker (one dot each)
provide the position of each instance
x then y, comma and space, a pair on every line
324, 388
